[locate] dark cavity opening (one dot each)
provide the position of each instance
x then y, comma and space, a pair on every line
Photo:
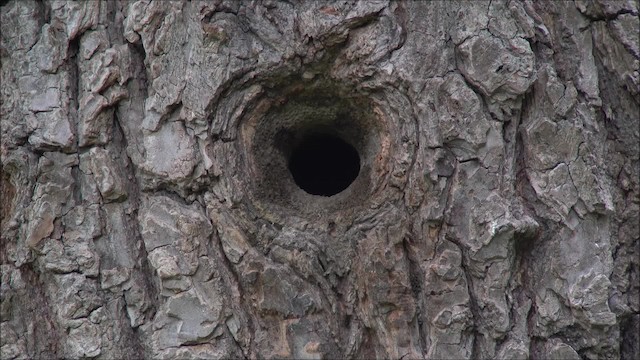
323, 164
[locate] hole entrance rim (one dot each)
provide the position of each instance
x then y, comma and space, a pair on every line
273, 128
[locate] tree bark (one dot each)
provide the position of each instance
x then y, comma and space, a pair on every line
149, 208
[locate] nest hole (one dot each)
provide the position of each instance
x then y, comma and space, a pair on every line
314, 150
324, 164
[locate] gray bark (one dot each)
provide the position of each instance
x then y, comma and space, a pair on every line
148, 210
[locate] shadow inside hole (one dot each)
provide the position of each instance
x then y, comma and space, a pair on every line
324, 164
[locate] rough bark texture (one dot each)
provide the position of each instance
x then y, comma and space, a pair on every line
147, 208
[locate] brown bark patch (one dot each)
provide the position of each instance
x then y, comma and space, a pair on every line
7, 195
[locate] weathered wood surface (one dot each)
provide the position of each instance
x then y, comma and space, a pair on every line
147, 208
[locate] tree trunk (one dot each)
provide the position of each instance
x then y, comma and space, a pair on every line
306, 179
